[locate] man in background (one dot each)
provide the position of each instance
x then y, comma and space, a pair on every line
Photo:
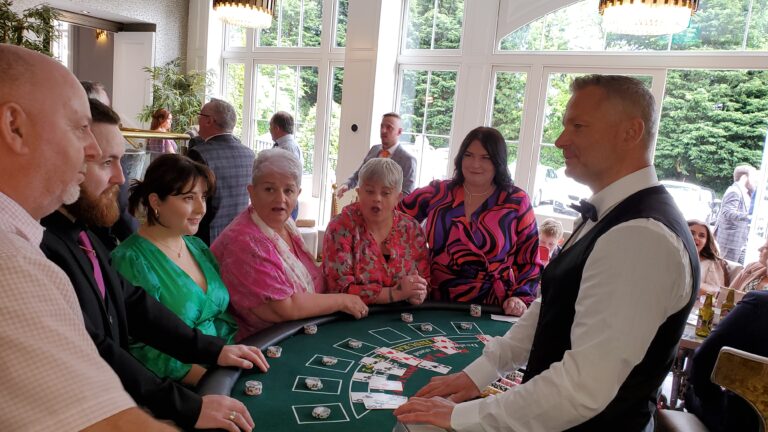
231, 163
389, 131
281, 128
732, 227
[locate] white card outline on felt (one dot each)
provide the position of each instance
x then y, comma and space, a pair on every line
340, 360
361, 352
323, 379
298, 421
406, 337
417, 328
457, 326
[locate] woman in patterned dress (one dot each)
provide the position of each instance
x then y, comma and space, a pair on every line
481, 229
372, 250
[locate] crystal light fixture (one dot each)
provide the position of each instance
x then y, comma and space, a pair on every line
647, 17
246, 13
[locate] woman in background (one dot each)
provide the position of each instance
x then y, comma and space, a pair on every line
167, 260
162, 119
481, 229
714, 270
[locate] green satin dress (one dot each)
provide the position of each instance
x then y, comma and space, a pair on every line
144, 265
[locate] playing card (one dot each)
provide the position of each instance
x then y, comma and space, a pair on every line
399, 356
362, 377
446, 348
369, 361
435, 367
384, 401
483, 338
359, 397
388, 368
382, 383
443, 339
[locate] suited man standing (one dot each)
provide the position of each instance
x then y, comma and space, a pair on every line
389, 131
115, 311
231, 163
281, 128
732, 226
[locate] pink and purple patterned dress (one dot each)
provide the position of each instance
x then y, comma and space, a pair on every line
487, 259
353, 262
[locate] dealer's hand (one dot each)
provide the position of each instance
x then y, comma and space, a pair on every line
223, 412
242, 356
457, 387
514, 306
435, 411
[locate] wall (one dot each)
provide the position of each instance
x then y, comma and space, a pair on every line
93, 60
169, 15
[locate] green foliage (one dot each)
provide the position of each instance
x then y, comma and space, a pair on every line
445, 20
179, 92
33, 28
341, 22
294, 29
711, 122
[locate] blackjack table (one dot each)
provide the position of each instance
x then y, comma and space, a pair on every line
287, 402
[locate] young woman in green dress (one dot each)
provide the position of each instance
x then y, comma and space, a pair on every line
165, 259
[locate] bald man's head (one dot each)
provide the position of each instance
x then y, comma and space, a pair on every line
45, 135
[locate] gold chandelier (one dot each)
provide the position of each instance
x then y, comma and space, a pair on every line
246, 13
647, 17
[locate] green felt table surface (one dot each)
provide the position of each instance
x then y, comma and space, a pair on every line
286, 403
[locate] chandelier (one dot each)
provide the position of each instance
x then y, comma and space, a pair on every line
647, 17
246, 13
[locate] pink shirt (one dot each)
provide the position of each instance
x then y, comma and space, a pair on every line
254, 273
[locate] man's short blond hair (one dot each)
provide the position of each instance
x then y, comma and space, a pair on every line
551, 227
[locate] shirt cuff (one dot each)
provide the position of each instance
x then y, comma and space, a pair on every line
481, 372
466, 417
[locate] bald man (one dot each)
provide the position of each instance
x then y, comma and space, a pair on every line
53, 377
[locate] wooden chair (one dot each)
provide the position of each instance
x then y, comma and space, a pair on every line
746, 375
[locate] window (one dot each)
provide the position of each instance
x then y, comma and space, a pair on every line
434, 24
236, 36
718, 25
426, 107
507, 115
342, 9
298, 23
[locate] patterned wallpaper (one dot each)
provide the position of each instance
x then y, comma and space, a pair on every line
170, 16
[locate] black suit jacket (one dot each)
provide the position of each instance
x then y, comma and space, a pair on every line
232, 163
129, 312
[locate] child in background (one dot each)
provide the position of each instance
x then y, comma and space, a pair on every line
550, 237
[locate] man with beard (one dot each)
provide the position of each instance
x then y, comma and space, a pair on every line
115, 311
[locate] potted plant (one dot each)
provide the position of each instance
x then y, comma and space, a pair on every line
179, 92
33, 28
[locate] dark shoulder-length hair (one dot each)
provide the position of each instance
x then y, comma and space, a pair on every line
159, 117
169, 174
493, 143
710, 250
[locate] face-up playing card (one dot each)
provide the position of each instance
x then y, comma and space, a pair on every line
483, 338
443, 340
359, 397
446, 348
435, 367
362, 377
384, 401
388, 368
369, 361
382, 383
399, 356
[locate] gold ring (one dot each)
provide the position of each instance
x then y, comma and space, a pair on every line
232, 415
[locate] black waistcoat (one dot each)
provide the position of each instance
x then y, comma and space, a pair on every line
634, 404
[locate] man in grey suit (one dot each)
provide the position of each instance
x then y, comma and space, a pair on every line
281, 129
732, 226
390, 147
229, 160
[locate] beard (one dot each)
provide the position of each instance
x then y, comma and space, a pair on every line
96, 210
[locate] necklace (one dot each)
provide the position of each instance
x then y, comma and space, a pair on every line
169, 247
490, 189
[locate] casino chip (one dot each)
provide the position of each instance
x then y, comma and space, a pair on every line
354, 344
253, 388
313, 383
274, 351
321, 412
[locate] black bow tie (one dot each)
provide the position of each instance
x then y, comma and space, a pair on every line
587, 210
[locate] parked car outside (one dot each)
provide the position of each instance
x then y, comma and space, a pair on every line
694, 201
545, 187
569, 191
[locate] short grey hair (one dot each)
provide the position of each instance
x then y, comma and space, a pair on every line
276, 160
383, 170
223, 114
742, 170
630, 93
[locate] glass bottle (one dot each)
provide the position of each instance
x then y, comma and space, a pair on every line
728, 304
706, 315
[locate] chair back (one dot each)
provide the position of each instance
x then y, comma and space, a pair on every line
746, 375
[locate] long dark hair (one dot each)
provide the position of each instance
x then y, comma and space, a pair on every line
493, 143
169, 174
159, 117
710, 250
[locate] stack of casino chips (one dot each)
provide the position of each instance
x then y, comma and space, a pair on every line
503, 384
